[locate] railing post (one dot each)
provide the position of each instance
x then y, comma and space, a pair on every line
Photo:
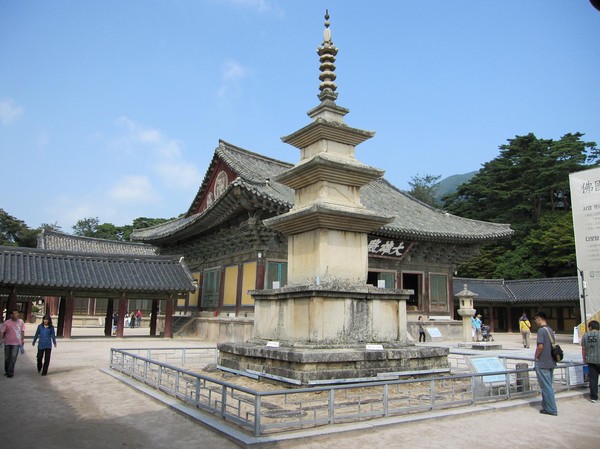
257, 413
331, 406
223, 400
386, 389
432, 393
197, 397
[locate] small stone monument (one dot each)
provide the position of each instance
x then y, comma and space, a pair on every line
466, 311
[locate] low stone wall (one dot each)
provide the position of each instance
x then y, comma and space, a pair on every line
223, 329
450, 329
239, 329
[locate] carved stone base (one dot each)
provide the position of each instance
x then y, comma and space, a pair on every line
315, 365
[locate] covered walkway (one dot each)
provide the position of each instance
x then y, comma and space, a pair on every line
30, 273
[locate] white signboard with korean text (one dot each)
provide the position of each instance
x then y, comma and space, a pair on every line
585, 202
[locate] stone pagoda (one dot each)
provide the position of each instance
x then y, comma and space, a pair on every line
327, 324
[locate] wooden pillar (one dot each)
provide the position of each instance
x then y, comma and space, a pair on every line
91, 306
68, 321
491, 312
260, 274
122, 312
153, 316
51, 305
12, 302
62, 303
28, 311
239, 289
108, 318
450, 290
3, 304
169, 317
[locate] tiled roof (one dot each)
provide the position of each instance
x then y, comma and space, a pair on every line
413, 219
552, 289
32, 268
521, 291
65, 242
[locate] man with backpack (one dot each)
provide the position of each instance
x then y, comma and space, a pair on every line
590, 352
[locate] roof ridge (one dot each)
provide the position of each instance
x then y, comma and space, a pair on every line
81, 254
228, 146
92, 239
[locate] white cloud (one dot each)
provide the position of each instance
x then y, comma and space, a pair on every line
233, 71
166, 155
261, 6
43, 139
134, 189
10, 112
231, 76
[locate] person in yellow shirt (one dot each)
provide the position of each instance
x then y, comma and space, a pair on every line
525, 328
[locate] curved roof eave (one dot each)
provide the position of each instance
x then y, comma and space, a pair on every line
225, 206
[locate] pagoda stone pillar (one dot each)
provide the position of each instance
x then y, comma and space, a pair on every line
327, 323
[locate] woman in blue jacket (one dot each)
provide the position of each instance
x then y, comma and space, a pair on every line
45, 332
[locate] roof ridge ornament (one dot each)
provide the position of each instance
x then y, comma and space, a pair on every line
327, 52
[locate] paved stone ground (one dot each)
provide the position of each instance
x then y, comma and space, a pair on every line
78, 406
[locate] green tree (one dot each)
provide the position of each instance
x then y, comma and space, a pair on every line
91, 227
527, 185
14, 232
424, 188
86, 227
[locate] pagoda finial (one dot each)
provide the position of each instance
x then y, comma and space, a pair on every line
327, 52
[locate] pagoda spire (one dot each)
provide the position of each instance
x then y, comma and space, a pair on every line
327, 53
327, 108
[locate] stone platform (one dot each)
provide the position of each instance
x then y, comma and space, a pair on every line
305, 365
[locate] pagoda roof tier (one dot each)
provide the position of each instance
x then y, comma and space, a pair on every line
327, 216
321, 129
329, 167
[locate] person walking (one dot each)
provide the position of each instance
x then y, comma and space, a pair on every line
138, 317
13, 331
421, 329
115, 319
590, 352
525, 328
132, 320
545, 364
476, 327
47, 336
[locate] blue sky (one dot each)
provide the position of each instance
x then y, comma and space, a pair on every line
113, 108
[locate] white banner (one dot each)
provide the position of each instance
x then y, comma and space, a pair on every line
585, 201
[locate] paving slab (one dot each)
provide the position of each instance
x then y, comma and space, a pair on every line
79, 406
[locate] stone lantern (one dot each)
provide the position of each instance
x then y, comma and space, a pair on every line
466, 311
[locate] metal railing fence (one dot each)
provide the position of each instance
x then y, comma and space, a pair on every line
174, 371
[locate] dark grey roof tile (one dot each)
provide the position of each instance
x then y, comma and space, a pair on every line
521, 291
75, 270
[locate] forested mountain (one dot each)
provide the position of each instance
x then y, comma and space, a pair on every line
449, 185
